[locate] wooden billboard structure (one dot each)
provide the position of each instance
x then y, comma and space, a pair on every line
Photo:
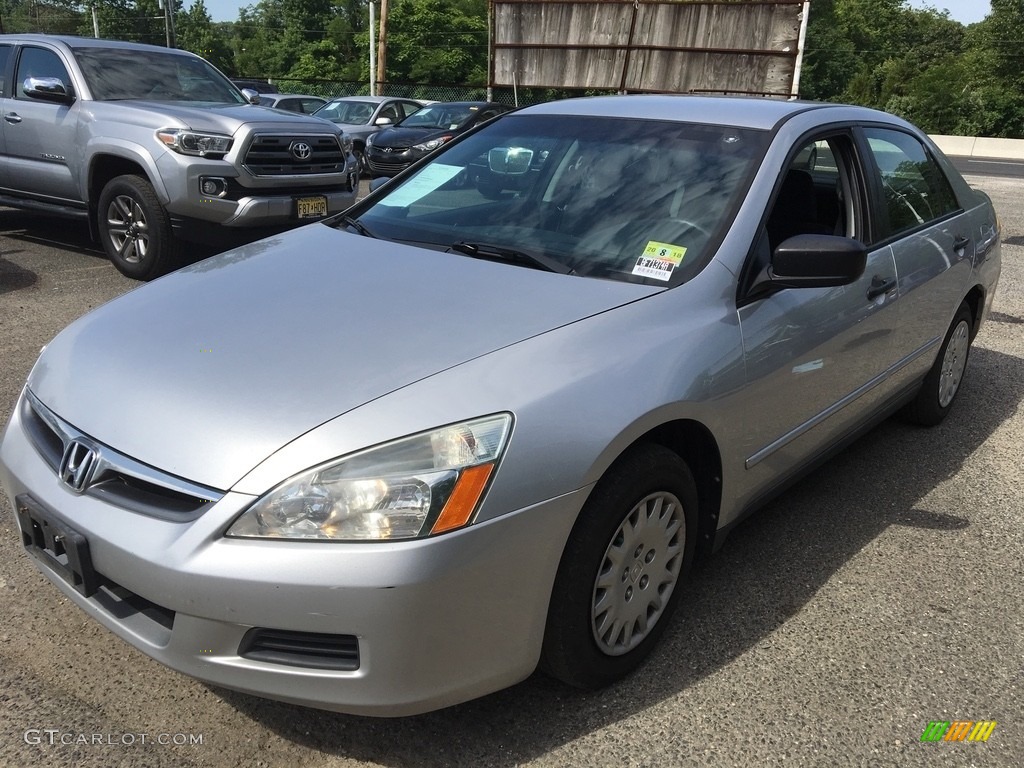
650, 46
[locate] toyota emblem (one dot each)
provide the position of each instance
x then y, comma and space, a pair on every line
77, 465
301, 150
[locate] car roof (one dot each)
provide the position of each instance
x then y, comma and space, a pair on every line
74, 41
738, 111
374, 99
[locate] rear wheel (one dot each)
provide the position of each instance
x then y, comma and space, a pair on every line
135, 229
942, 384
620, 575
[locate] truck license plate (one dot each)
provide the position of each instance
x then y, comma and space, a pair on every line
312, 207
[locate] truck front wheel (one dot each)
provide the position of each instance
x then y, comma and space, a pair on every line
135, 229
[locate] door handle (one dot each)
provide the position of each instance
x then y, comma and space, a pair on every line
11, 117
961, 242
880, 285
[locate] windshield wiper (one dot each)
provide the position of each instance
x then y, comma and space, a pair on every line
513, 255
358, 226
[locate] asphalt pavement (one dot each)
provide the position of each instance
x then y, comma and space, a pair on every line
878, 595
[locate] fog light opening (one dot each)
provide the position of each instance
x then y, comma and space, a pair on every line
213, 186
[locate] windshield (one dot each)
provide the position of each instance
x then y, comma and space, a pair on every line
115, 74
447, 116
347, 112
634, 200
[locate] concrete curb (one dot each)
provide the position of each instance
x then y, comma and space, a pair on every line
990, 149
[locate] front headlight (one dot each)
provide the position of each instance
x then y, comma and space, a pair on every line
426, 146
417, 486
194, 143
346, 142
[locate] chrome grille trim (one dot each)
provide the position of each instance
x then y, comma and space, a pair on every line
116, 478
270, 155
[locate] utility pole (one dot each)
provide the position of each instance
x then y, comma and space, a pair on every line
373, 48
382, 48
95, 22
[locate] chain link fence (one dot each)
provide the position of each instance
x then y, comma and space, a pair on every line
329, 89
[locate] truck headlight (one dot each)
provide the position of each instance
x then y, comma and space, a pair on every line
418, 486
187, 142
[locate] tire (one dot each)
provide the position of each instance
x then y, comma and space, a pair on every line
135, 229
942, 384
361, 161
617, 574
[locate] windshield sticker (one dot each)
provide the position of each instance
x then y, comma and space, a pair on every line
425, 182
659, 260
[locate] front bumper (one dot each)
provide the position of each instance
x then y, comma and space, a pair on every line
435, 621
251, 202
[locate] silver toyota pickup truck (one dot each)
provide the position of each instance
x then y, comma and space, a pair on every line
156, 147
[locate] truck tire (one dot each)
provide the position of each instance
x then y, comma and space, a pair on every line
135, 229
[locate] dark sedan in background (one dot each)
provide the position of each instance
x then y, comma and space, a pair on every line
362, 116
394, 149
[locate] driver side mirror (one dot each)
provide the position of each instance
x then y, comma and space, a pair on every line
48, 89
253, 97
811, 261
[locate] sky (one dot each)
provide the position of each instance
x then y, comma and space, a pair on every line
964, 11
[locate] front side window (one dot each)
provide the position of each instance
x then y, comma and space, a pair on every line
39, 62
441, 116
634, 200
915, 190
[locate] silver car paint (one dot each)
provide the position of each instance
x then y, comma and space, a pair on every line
297, 337
586, 372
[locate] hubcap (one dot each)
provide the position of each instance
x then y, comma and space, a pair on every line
953, 364
128, 229
639, 571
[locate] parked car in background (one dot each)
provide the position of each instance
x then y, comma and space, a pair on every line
361, 116
396, 148
292, 102
153, 146
260, 86
393, 461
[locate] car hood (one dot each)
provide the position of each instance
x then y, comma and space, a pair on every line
206, 372
198, 116
403, 137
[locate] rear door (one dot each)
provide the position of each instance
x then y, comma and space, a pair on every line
40, 136
931, 239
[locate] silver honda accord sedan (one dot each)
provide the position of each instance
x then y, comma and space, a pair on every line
484, 422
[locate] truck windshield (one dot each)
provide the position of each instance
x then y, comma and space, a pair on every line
117, 74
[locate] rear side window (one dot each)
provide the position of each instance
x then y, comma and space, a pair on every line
916, 191
5, 55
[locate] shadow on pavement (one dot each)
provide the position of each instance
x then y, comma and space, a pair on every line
768, 570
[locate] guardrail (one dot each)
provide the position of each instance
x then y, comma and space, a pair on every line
990, 149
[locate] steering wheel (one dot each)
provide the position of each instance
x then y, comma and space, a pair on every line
692, 225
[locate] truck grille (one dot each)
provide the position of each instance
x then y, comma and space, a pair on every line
294, 155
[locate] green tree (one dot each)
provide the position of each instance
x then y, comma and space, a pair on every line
438, 41
196, 32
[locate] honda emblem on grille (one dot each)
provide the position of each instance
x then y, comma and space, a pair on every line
77, 465
301, 150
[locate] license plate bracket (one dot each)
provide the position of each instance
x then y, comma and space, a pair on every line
311, 207
63, 549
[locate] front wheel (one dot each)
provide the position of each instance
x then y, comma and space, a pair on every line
942, 384
135, 229
620, 575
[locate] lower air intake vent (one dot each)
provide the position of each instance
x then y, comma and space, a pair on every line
301, 649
